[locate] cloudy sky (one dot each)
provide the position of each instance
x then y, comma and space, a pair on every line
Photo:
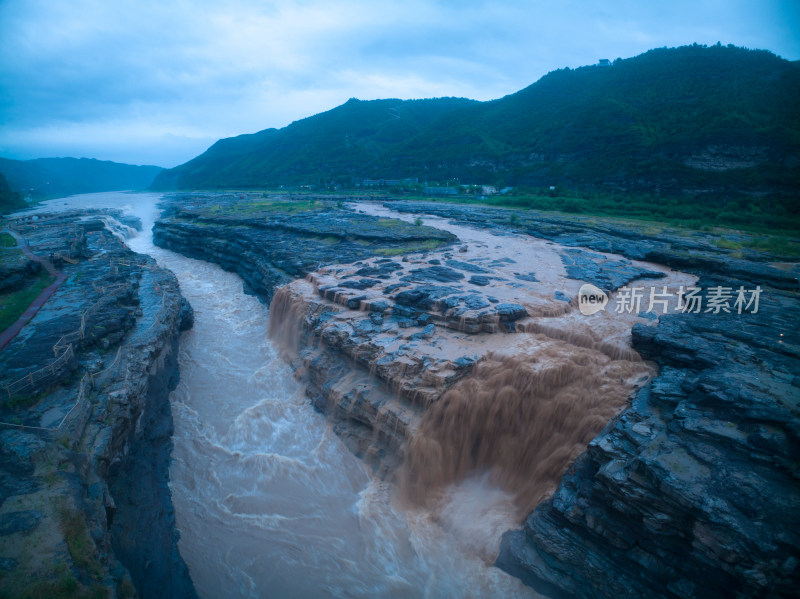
158, 81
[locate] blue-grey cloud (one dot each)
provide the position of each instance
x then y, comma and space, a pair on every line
148, 81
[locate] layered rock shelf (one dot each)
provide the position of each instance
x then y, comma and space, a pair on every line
85, 440
654, 451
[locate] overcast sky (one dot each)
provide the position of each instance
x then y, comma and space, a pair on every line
158, 81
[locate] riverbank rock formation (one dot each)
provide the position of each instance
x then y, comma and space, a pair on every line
657, 450
86, 425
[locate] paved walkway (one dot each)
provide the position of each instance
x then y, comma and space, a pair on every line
12, 331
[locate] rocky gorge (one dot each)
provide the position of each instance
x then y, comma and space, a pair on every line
654, 453
86, 425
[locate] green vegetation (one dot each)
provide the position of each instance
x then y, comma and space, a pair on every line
761, 215
727, 244
65, 587
54, 177
9, 200
698, 136
265, 207
12, 305
428, 244
777, 245
391, 223
7, 240
82, 549
21, 402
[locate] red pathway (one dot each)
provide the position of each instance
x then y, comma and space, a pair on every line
11, 332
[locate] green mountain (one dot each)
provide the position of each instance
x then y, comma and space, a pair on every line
9, 200
66, 176
685, 119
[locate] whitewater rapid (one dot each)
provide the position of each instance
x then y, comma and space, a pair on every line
268, 501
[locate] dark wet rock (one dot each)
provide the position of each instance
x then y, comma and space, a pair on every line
23, 521
476, 302
529, 277
690, 491
466, 266
561, 296
115, 445
355, 302
394, 287
600, 271
480, 280
464, 362
268, 251
510, 312
359, 284
438, 274
426, 333
424, 297
366, 327
378, 305
187, 316
401, 310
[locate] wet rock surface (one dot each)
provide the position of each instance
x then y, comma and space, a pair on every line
691, 491
695, 252
85, 444
269, 245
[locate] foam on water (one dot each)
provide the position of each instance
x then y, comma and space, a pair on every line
268, 501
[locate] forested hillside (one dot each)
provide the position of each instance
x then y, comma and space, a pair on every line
47, 177
670, 120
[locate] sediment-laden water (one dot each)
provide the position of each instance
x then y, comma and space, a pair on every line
268, 501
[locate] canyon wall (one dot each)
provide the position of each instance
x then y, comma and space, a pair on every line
86, 451
689, 491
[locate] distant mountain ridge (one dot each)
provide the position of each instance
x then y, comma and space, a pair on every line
688, 118
66, 176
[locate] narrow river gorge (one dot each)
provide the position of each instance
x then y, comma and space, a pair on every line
387, 427
268, 500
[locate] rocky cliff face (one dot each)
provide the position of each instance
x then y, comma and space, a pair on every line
86, 451
689, 491
268, 245
693, 490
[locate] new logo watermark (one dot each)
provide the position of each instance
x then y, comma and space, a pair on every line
634, 300
591, 299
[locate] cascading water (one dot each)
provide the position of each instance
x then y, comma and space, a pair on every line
268, 501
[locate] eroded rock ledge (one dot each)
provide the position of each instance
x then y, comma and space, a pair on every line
85, 451
690, 491
693, 491
268, 244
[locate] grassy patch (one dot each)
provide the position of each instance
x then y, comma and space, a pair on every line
428, 244
773, 215
272, 206
391, 223
21, 402
7, 240
12, 305
65, 587
11, 257
727, 244
81, 547
780, 246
